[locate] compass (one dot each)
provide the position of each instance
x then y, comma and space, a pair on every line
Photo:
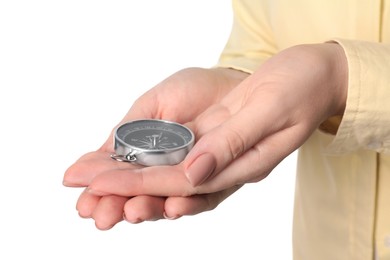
152, 142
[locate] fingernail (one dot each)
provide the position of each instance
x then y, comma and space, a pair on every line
170, 218
201, 169
132, 221
66, 183
70, 184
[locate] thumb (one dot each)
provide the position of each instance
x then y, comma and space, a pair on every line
221, 145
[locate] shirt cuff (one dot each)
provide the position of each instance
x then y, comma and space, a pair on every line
366, 120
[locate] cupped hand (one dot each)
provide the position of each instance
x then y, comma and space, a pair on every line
181, 98
268, 116
254, 127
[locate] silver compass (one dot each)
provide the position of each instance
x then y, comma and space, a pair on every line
152, 142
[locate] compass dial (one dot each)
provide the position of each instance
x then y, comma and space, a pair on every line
154, 135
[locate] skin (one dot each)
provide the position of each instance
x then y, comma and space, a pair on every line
193, 90
280, 105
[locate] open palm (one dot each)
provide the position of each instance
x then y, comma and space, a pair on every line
180, 98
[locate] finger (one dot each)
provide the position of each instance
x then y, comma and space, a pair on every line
86, 204
256, 163
169, 181
89, 166
155, 181
144, 208
163, 181
108, 211
247, 124
176, 207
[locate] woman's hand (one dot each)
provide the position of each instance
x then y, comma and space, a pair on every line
181, 98
268, 116
254, 127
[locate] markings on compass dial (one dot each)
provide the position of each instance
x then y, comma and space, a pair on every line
154, 139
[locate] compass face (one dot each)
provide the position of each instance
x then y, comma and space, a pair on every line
154, 135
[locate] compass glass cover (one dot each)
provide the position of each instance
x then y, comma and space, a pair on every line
155, 135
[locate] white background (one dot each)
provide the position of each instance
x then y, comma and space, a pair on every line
69, 71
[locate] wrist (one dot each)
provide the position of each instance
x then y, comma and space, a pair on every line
340, 73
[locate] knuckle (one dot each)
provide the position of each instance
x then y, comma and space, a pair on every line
260, 166
255, 169
189, 192
235, 142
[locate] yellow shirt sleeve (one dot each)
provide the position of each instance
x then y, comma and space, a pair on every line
366, 121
